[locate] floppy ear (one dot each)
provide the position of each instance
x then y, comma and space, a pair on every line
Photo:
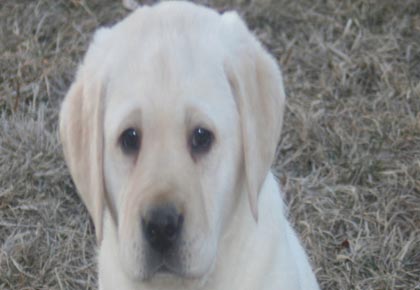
81, 132
257, 86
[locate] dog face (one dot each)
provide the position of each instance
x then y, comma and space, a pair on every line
175, 112
171, 141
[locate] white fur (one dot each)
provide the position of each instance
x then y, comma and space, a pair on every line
263, 256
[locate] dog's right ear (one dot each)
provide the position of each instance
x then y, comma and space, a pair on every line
81, 133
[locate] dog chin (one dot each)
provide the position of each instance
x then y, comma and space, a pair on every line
166, 274
143, 265
160, 272
166, 271
166, 277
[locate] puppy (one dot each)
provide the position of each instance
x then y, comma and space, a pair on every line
169, 132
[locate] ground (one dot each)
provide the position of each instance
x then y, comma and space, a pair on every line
348, 159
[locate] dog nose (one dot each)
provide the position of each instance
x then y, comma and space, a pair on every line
162, 227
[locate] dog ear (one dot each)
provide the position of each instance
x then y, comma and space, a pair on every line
81, 133
257, 86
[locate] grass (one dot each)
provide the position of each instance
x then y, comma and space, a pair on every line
349, 157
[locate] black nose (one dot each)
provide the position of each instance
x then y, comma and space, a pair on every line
162, 227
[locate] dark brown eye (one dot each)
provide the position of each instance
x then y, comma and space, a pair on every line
201, 140
130, 141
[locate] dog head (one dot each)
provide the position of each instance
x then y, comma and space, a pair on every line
174, 113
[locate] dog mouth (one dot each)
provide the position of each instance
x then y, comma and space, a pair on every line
163, 267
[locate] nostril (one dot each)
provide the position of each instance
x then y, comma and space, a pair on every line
172, 228
152, 232
170, 231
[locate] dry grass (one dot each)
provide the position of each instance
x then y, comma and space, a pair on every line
349, 157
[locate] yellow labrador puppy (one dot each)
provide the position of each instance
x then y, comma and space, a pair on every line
169, 131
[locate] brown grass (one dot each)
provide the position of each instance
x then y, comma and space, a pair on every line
349, 158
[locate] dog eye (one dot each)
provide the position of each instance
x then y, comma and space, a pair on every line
130, 141
201, 140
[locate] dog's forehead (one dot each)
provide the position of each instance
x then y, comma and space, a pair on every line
176, 62
160, 77
194, 99
167, 69
167, 33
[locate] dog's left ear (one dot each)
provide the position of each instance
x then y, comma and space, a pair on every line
257, 86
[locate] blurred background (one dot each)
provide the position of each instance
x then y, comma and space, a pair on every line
348, 159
